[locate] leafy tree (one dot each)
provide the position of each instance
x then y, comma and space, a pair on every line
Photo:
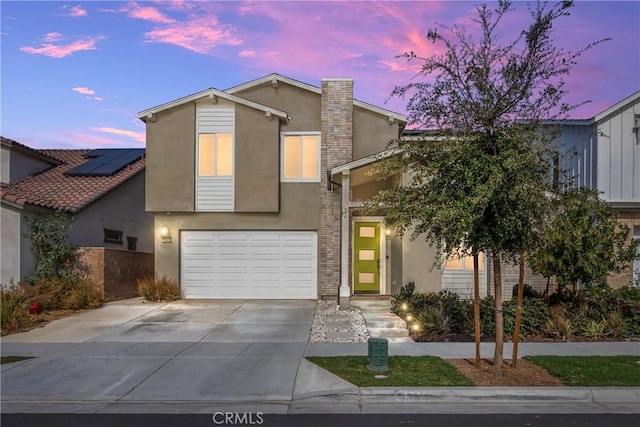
582, 241
55, 256
481, 177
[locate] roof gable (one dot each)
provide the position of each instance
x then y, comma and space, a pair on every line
613, 108
274, 79
212, 94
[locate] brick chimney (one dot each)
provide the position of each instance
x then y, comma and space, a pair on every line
336, 126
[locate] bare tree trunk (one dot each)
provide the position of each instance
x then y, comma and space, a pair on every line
476, 307
516, 333
497, 284
546, 297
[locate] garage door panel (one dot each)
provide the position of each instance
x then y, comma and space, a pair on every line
249, 264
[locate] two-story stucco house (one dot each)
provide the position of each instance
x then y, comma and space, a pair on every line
256, 191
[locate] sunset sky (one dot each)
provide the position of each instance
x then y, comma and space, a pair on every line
75, 74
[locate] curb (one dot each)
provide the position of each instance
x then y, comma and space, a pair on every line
400, 395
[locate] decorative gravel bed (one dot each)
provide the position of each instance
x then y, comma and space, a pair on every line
331, 325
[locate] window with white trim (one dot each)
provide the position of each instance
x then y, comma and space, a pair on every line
461, 261
300, 157
215, 154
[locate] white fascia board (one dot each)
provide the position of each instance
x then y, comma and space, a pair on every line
314, 89
365, 161
388, 113
206, 93
269, 79
617, 106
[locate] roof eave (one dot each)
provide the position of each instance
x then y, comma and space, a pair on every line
617, 106
269, 79
211, 93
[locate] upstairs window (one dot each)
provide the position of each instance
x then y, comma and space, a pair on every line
301, 157
215, 154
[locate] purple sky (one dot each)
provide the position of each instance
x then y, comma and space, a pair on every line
75, 74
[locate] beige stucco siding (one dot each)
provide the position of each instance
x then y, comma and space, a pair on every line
371, 132
10, 257
5, 164
303, 106
299, 211
257, 164
418, 265
170, 180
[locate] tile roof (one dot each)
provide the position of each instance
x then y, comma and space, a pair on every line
54, 190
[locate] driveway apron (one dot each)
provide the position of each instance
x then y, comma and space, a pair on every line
188, 350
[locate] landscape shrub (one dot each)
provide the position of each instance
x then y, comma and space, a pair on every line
594, 329
404, 296
558, 325
162, 289
534, 313
596, 311
434, 322
14, 309
527, 292
66, 293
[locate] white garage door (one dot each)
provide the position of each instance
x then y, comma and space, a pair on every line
249, 264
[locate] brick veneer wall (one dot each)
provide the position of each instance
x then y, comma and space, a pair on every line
116, 272
631, 219
336, 117
511, 276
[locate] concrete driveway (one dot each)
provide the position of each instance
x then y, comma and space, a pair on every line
184, 351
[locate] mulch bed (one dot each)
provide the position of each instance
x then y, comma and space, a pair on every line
525, 374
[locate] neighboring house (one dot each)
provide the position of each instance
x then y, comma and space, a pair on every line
103, 189
256, 191
603, 153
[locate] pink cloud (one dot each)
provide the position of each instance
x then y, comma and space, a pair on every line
200, 35
52, 37
77, 11
137, 136
247, 53
71, 139
84, 90
133, 10
47, 48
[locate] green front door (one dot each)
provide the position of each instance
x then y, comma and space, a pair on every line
366, 257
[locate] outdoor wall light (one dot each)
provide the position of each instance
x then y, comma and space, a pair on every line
387, 232
165, 235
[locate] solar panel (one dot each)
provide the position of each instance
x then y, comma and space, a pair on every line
106, 161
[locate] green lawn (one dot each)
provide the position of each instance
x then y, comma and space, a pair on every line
592, 371
11, 359
405, 371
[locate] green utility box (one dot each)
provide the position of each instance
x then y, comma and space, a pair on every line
378, 354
